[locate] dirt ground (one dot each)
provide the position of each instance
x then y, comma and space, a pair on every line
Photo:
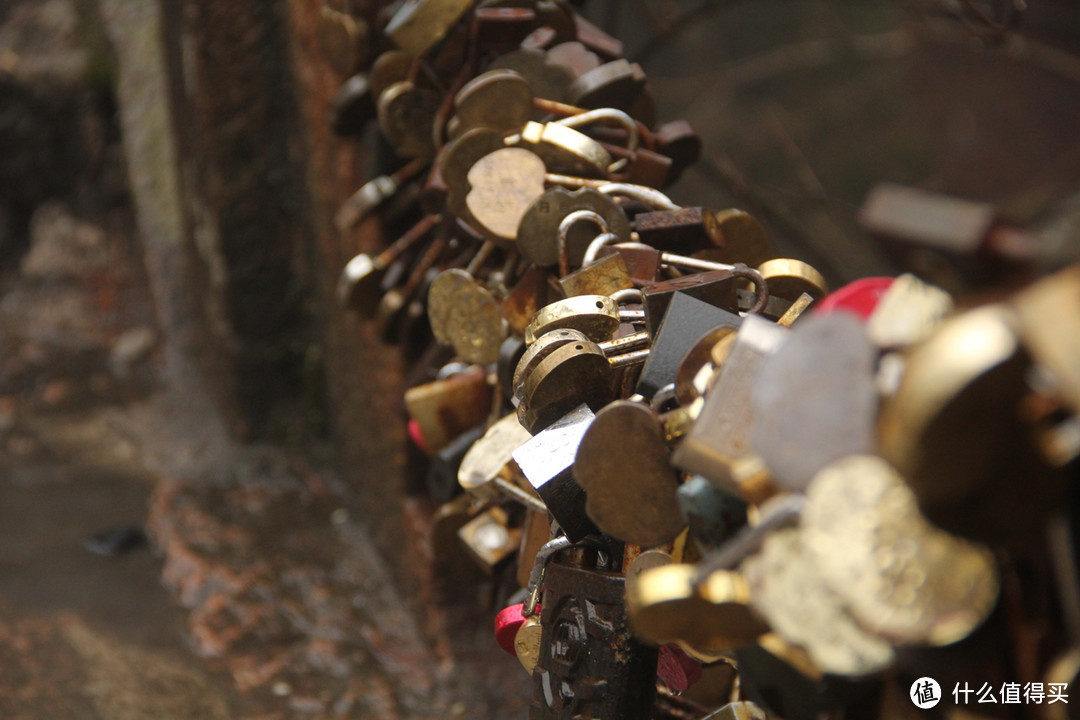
255, 596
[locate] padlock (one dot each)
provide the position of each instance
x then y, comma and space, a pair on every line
457, 159
406, 117
555, 20
466, 315
448, 407
647, 167
490, 539
503, 100
642, 263
685, 322
373, 193
502, 29
936, 593
761, 290
680, 142
670, 604
815, 400
416, 27
859, 297
685, 231
528, 639
345, 39
488, 469
621, 352
720, 439
352, 107
590, 664
535, 289
947, 434
910, 215
545, 77
573, 56
507, 623
567, 370
596, 39
499, 100
605, 276
624, 467
637, 561
502, 185
616, 84
441, 477
713, 515
788, 278
361, 277
745, 240
677, 670
715, 287
391, 66
597, 316
622, 155
547, 461
907, 313
564, 149
789, 592
538, 233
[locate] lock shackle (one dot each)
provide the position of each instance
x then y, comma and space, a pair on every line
761, 288
487, 249
635, 341
776, 513
642, 193
564, 228
596, 245
629, 295
544, 555
619, 117
530, 501
662, 396
536, 575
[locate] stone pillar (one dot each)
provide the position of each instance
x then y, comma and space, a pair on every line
236, 177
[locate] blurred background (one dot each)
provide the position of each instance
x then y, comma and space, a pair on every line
207, 506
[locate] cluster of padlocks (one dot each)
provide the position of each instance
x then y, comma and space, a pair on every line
697, 456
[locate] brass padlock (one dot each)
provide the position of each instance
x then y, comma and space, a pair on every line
624, 467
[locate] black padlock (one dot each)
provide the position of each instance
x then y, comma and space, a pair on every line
590, 664
686, 322
441, 479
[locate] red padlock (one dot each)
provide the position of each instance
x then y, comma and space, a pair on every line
859, 297
417, 436
507, 623
677, 670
